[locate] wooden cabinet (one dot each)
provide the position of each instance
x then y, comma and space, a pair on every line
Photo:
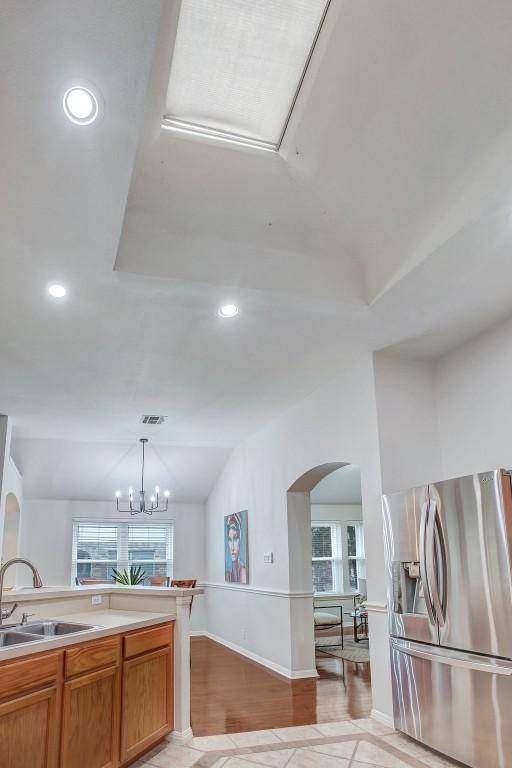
146, 712
100, 653
28, 730
88, 706
90, 720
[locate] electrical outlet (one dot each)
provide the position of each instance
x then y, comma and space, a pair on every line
268, 557
96, 599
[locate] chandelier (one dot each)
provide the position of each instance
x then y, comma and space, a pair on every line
142, 507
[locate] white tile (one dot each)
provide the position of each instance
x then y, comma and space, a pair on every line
304, 758
438, 761
211, 743
406, 745
297, 733
342, 728
373, 726
278, 758
254, 738
173, 756
370, 753
236, 762
339, 749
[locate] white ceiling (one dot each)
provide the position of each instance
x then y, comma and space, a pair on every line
343, 486
385, 221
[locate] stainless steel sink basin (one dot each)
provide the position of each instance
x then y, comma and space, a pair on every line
16, 638
53, 628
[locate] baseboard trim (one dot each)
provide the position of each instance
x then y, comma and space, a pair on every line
181, 737
290, 674
381, 717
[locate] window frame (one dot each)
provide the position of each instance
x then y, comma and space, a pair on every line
122, 559
336, 558
359, 558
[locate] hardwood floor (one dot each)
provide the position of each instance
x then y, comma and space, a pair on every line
230, 693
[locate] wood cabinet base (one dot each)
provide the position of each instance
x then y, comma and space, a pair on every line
87, 706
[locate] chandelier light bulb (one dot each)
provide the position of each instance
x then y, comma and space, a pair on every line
157, 489
166, 494
151, 498
130, 491
118, 494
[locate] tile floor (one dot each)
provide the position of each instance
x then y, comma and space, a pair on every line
347, 744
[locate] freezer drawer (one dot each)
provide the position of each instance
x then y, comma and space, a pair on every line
457, 703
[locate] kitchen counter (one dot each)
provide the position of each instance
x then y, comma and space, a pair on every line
108, 622
113, 609
29, 594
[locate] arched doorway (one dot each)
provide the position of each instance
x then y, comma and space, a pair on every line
324, 507
11, 535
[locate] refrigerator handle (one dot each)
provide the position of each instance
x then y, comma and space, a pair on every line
433, 528
423, 561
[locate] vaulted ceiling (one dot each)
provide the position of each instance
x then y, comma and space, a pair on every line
383, 221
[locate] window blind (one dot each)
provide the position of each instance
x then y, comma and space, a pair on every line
98, 547
327, 557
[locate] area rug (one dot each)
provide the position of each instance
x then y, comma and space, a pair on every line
359, 652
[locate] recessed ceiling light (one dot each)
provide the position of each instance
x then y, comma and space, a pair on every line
80, 105
57, 291
228, 310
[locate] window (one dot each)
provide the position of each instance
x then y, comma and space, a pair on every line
355, 554
237, 67
100, 546
327, 563
338, 556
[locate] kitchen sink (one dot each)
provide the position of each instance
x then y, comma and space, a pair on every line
10, 637
53, 628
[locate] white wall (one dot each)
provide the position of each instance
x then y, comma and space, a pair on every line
410, 449
474, 396
269, 618
341, 513
47, 531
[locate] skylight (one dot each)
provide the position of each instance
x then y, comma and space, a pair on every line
238, 65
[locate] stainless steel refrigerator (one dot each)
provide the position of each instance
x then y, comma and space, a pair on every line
449, 567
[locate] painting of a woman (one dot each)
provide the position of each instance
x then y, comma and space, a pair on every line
235, 548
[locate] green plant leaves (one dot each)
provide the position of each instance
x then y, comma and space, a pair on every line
132, 577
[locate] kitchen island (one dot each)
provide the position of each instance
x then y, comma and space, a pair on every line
106, 678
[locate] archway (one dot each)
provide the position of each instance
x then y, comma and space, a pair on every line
335, 517
11, 535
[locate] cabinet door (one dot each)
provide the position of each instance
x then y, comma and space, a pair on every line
146, 712
28, 730
90, 720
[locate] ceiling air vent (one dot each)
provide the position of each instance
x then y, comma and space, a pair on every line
152, 420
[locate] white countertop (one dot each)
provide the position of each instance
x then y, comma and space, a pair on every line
29, 594
107, 622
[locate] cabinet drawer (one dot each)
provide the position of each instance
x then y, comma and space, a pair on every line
19, 676
147, 640
100, 653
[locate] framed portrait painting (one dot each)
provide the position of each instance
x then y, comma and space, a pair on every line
236, 550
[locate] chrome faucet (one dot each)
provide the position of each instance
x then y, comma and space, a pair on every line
36, 580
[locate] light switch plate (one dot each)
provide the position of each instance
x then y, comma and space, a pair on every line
96, 599
268, 557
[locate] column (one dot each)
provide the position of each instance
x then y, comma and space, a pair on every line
182, 731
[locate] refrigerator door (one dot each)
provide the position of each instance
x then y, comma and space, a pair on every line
411, 613
454, 702
468, 553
